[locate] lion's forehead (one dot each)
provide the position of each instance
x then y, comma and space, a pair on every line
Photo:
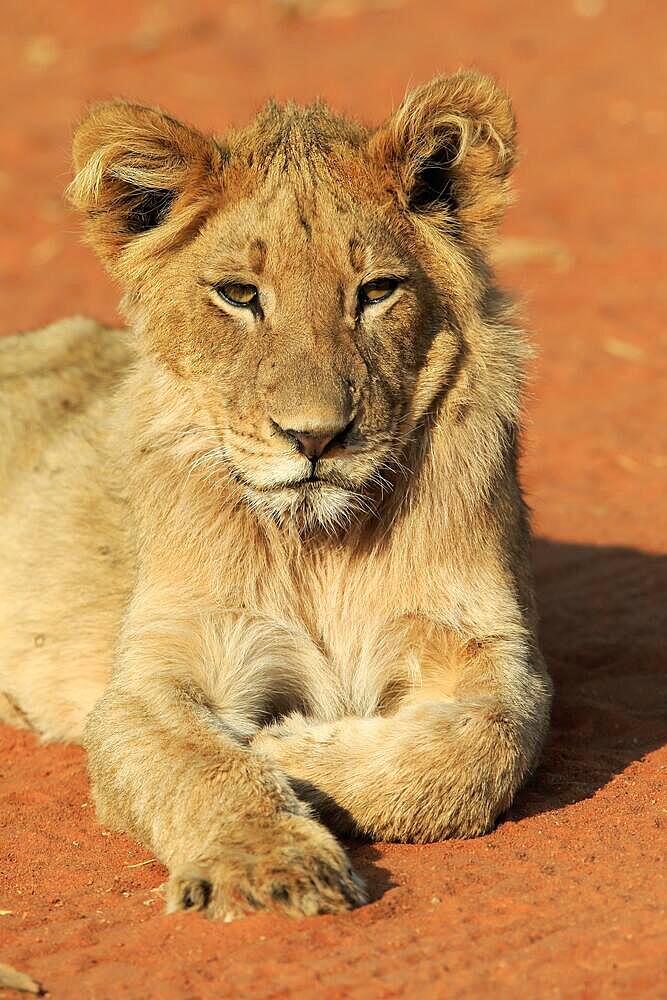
287, 229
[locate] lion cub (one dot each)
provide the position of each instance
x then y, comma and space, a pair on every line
266, 554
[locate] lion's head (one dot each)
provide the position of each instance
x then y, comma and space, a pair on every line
307, 281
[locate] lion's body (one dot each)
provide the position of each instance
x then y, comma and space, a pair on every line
237, 638
67, 562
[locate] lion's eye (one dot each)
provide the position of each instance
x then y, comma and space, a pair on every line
237, 294
376, 291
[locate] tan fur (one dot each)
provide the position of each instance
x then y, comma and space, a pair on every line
242, 650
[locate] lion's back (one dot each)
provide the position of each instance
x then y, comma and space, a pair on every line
47, 378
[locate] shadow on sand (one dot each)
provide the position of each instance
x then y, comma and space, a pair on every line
604, 635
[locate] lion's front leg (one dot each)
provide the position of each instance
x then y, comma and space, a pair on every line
167, 767
444, 764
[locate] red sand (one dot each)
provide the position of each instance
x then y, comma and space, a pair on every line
567, 897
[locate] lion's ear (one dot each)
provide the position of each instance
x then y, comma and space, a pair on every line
140, 175
450, 147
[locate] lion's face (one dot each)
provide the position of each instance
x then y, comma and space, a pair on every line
301, 303
300, 324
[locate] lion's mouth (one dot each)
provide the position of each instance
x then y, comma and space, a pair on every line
314, 502
309, 483
306, 484
312, 480
314, 498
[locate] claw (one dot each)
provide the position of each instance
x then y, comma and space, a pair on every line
196, 895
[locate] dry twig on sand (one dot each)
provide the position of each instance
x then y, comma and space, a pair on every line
11, 979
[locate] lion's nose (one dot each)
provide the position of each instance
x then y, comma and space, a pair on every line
313, 443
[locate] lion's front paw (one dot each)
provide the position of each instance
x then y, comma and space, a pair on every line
297, 868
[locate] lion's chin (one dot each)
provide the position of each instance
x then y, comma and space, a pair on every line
310, 506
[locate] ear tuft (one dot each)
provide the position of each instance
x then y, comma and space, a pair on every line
135, 166
451, 146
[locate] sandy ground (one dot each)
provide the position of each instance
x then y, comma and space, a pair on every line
567, 897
